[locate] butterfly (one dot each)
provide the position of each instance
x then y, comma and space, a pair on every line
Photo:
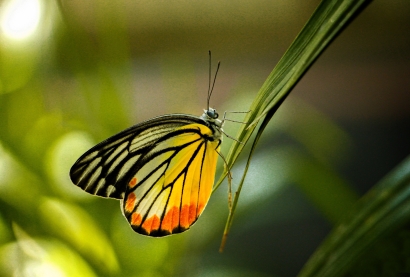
162, 170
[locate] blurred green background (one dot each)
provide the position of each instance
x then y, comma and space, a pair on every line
73, 73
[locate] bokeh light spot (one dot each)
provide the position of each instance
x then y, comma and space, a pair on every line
20, 18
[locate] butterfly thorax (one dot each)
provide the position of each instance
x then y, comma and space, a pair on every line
210, 116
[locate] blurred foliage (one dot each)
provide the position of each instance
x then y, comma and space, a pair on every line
374, 236
69, 83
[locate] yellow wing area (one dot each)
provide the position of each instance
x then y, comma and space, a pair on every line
172, 188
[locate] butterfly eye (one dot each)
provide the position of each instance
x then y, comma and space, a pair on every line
212, 113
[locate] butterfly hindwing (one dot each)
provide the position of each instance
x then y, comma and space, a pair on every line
171, 189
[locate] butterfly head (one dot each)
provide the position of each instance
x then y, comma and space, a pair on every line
210, 115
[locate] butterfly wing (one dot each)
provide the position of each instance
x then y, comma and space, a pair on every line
105, 169
172, 182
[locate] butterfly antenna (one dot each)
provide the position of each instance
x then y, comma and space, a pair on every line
209, 80
211, 89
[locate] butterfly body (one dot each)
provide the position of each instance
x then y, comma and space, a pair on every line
162, 170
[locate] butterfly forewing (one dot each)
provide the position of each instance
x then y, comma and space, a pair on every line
103, 170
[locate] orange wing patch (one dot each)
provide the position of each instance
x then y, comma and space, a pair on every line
151, 224
172, 192
136, 219
130, 202
170, 220
188, 216
132, 183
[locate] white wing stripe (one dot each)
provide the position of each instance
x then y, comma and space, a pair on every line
116, 152
127, 166
117, 161
94, 177
90, 168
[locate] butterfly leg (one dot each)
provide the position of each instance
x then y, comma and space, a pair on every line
230, 120
232, 138
229, 182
